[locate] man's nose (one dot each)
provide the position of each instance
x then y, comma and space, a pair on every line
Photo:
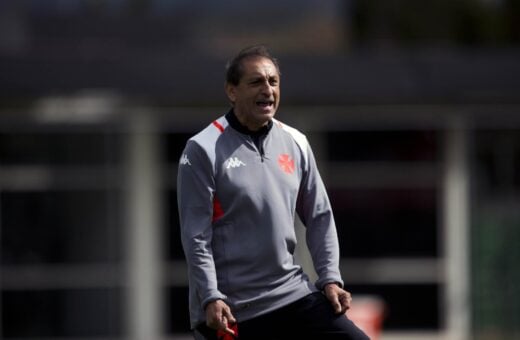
267, 89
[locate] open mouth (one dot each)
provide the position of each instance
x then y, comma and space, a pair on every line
265, 103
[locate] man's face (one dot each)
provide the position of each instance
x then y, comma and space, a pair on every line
257, 95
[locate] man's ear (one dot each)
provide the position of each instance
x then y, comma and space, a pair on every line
231, 92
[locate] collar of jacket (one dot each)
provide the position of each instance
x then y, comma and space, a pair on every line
235, 124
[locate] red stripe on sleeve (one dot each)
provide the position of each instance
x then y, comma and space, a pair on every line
217, 210
217, 124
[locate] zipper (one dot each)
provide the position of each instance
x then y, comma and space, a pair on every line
262, 151
260, 147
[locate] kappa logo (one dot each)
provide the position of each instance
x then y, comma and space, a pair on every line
185, 160
233, 162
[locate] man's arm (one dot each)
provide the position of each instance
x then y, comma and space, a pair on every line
315, 211
195, 191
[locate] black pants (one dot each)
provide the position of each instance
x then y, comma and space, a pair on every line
311, 317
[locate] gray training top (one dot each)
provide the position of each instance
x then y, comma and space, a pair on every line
237, 205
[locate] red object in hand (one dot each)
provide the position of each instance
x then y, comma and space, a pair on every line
222, 335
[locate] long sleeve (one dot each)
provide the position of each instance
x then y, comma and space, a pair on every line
195, 194
315, 211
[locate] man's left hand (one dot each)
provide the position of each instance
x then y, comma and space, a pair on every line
338, 297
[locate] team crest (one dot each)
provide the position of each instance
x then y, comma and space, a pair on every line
286, 163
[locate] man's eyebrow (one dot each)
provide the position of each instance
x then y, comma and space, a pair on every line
255, 76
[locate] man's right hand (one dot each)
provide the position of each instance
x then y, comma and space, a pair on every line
219, 317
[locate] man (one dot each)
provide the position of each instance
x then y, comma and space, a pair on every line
240, 182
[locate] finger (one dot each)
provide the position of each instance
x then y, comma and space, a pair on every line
336, 304
229, 331
231, 319
223, 323
225, 326
345, 301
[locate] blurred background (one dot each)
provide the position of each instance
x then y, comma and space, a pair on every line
412, 109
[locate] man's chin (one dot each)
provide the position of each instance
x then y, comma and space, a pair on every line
266, 113
265, 117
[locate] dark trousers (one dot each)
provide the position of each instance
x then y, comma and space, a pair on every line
311, 317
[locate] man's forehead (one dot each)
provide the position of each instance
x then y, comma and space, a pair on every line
259, 65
